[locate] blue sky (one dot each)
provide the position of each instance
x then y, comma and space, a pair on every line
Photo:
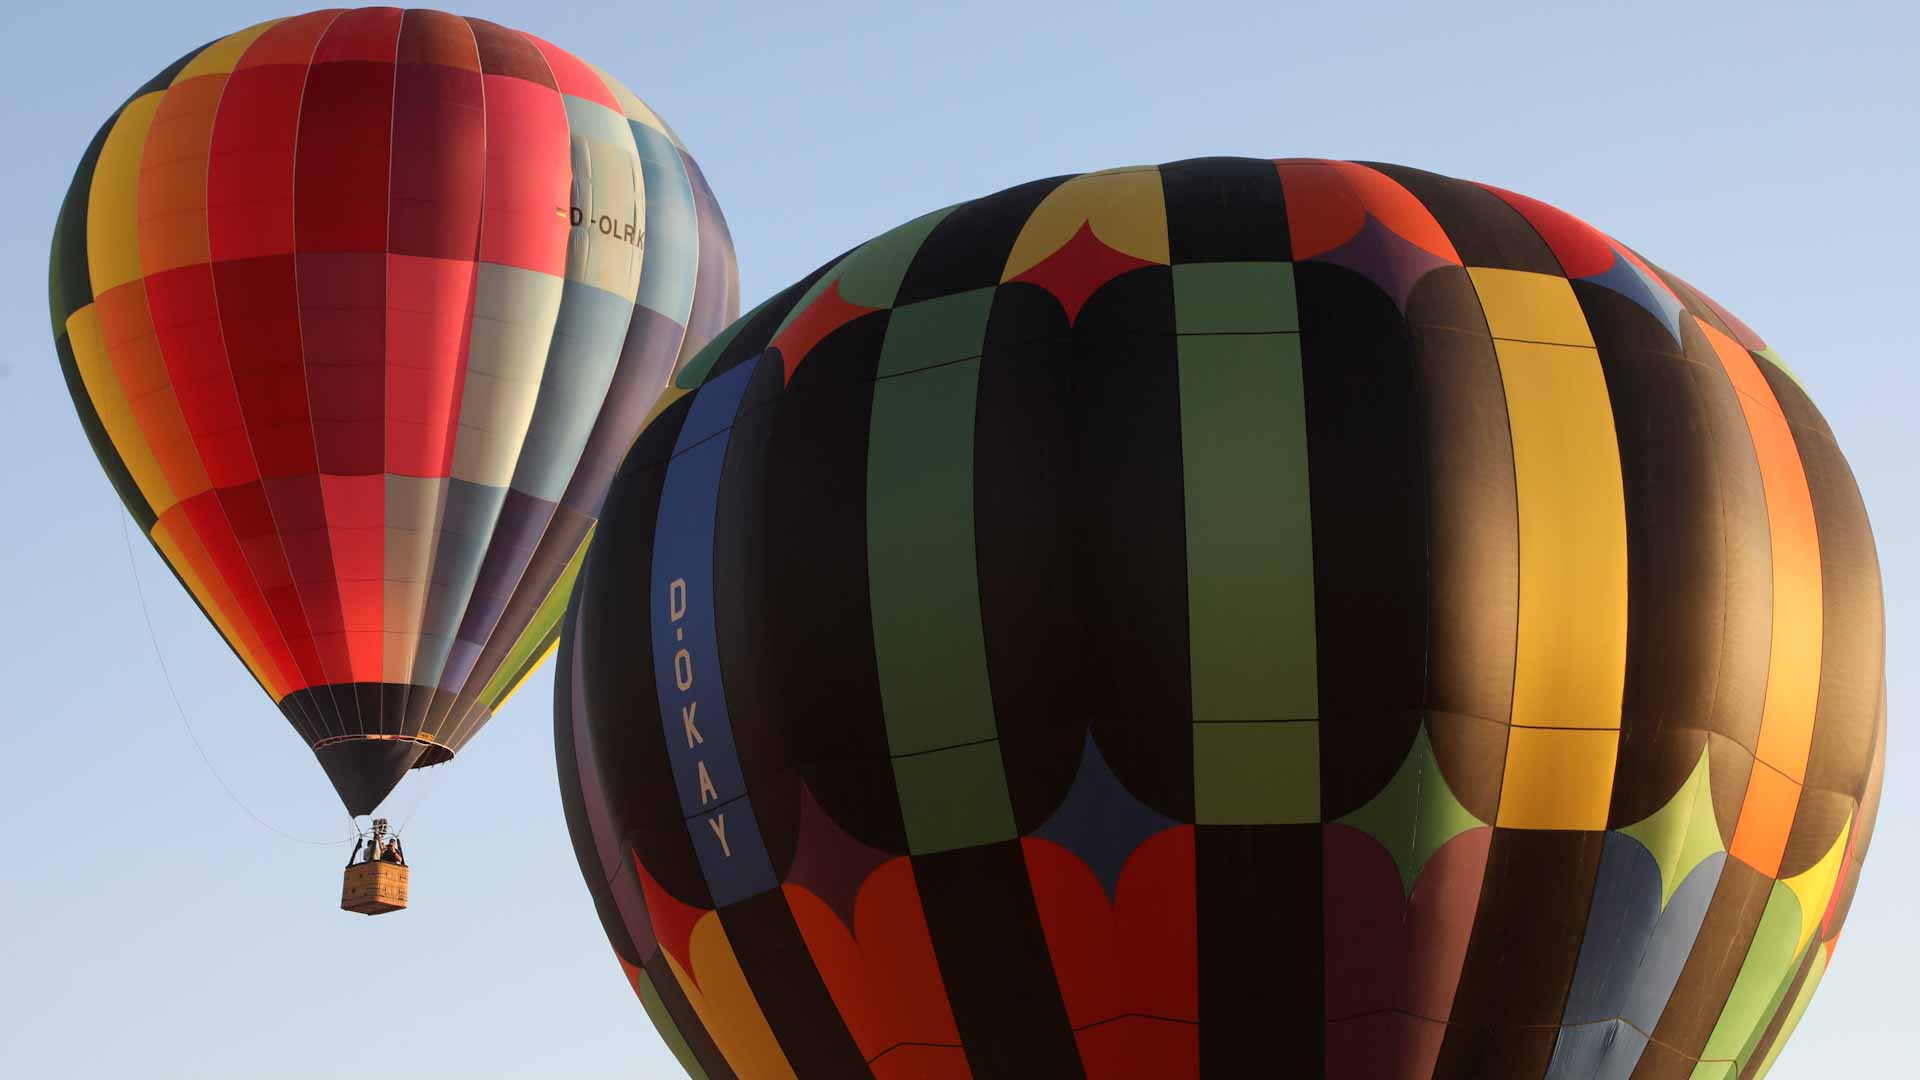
149, 928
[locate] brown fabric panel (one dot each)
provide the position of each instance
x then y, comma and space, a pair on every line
1521, 959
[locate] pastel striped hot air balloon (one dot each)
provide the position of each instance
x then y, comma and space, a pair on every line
1230, 618
360, 310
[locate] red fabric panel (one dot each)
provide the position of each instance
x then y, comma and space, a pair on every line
1132, 955
430, 307
361, 34
1390, 953
574, 77
252, 522
1581, 249
260, 322
289, 41
439, 154
343, 316
299, 510
529, 177
186, 319
205, 513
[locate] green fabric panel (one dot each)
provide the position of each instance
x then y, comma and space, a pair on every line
1799, 1009
1234, 298
954, 798
1249, 528
920, 561
1769, 964
1681, 834
1259, 773
1415, 814
935, 332
663, 1023
527, 652
1773, 358
870, 275
1775, 1004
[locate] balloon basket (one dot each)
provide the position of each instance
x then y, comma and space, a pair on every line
374, 888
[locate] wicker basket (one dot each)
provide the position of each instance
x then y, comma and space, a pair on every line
374, 888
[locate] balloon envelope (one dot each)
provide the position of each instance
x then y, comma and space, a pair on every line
1238, 618
360, 310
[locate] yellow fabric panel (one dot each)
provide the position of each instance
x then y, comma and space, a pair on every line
103, 389
1815, 886
172, 201
113, 258
725, 1003
1524, 306
184, 553
126, 329
1793, 667
219, 57
1570, 668
1557, 778
1124, 207
535, 666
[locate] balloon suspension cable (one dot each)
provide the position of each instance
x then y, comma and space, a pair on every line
180, 710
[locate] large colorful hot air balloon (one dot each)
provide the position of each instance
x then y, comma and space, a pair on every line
360, 310
1231, 618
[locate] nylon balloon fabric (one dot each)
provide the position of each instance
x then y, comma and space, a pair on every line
360, 311
1230, 618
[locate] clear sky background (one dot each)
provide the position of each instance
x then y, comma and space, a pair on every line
148, 928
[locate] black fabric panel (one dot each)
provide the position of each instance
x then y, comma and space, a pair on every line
1369, 486
815, 687
1133, 575
993, 958
1225, 209
743, 624
1676, 553
968, 249
788, 988
573, 802
674, 1000
761, 323
1853, 643
1485, 231
1262, 978
1029, 546
1520, 961
1473, 536
616, 644
1718, 954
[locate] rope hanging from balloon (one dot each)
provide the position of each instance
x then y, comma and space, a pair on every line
153, 637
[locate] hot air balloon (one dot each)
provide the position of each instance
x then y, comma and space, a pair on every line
360, 310
1231, 618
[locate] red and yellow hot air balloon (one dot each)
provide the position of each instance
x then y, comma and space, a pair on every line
360, 309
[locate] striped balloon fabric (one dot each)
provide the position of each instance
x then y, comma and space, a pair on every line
360, 310
1231, 618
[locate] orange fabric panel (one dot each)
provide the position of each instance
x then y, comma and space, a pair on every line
1793, 668
1766, 817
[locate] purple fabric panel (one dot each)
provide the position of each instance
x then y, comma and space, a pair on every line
716, 293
